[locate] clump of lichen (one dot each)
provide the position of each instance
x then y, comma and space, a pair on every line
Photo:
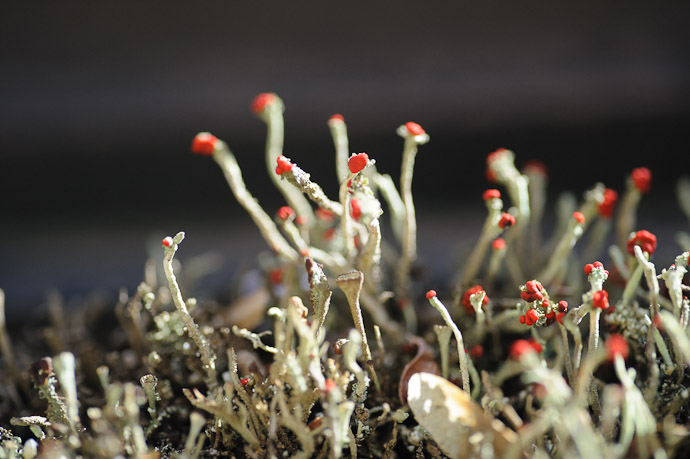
335, 354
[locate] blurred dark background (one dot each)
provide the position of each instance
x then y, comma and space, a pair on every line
99, 102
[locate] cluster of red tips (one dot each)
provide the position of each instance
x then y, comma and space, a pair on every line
337, 118
472, 291
600, 299
530, 318
579, 217
285, 212
617, 345
477, 351
284, 165
430, 294
498, 244
204, 143
262, 101
523, 346
358, 162
589, 267
414, 128
491, 194
535, 167
642, 179
608, 204
532, 291
167, 242
643, 238
355, 208
506, 220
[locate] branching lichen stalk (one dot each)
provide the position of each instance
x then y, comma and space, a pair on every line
228, 164
208, 359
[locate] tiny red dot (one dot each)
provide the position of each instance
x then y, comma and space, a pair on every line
430, 294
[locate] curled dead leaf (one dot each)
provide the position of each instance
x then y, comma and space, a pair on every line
422, 361
455, 421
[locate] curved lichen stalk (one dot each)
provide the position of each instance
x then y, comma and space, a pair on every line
208, 358
269, 107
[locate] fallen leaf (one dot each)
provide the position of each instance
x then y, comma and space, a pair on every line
454, 420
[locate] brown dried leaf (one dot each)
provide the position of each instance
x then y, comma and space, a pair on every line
422, 362
452, 417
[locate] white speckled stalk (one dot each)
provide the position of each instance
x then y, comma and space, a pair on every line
233, 175
462, 356
273, 116
208, 359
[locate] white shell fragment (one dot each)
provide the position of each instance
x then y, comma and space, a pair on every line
455, 421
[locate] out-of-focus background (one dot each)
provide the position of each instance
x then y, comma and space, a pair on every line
99, 102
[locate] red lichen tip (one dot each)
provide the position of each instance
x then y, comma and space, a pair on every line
477, 351
531, 317
506, 220
285, 212
358, 162
496, 155
430, 294
519, 348
596, 265
579, 217
325, 214
532, 291
608, 204
472, 291
337, 117
491, 194
616, 344
261, 101
329, 385
204, 143
167, 242
600, 299
284, 165
355, 208
538, 348
414, 128
642, 179
328, 234
559, 317
276, 276
533, 286
498, 244
244, 381
535, 167
643, 238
